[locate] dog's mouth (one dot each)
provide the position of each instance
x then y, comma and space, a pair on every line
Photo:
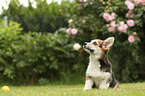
87, 48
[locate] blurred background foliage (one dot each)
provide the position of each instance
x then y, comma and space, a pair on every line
44, 18
30, 55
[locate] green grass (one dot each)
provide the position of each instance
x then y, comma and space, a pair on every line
130, 89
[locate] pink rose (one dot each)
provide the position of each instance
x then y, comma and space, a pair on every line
141, 1
120, 28
70, 21
113, 15
134, 33
127, 2
111, 29
131, 39
130, 11
130, 6
103, 3
121, 23
74, 31
84, 21
107, 17
130, 23
68, 31
123, 28
113, 23
129, 14
107, 25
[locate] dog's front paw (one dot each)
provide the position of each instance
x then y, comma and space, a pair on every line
88, 84
86, 89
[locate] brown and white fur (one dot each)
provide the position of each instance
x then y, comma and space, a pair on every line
99, 71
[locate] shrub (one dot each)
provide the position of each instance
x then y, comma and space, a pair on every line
26, 58
9, 37
39, 53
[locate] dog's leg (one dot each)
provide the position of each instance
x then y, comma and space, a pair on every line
106, 82
117, 84
114, 83
88, 84
104, 85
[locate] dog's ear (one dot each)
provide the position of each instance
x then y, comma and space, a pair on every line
108, 42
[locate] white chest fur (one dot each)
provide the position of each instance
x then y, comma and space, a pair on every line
94, 70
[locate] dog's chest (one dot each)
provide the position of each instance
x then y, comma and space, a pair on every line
94, 69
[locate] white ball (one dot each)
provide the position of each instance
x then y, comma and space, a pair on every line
76, 46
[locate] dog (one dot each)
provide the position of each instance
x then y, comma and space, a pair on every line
99, 72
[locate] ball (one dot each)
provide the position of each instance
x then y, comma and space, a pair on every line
5, 88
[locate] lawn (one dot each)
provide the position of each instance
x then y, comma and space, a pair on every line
130, 89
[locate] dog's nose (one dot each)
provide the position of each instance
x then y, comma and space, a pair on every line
85, 43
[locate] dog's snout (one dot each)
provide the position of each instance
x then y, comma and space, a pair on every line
85, 43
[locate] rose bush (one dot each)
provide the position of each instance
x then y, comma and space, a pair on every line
125, 20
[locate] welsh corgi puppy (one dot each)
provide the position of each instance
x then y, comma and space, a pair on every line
99, 72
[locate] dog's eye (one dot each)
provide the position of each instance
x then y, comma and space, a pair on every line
94, 43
